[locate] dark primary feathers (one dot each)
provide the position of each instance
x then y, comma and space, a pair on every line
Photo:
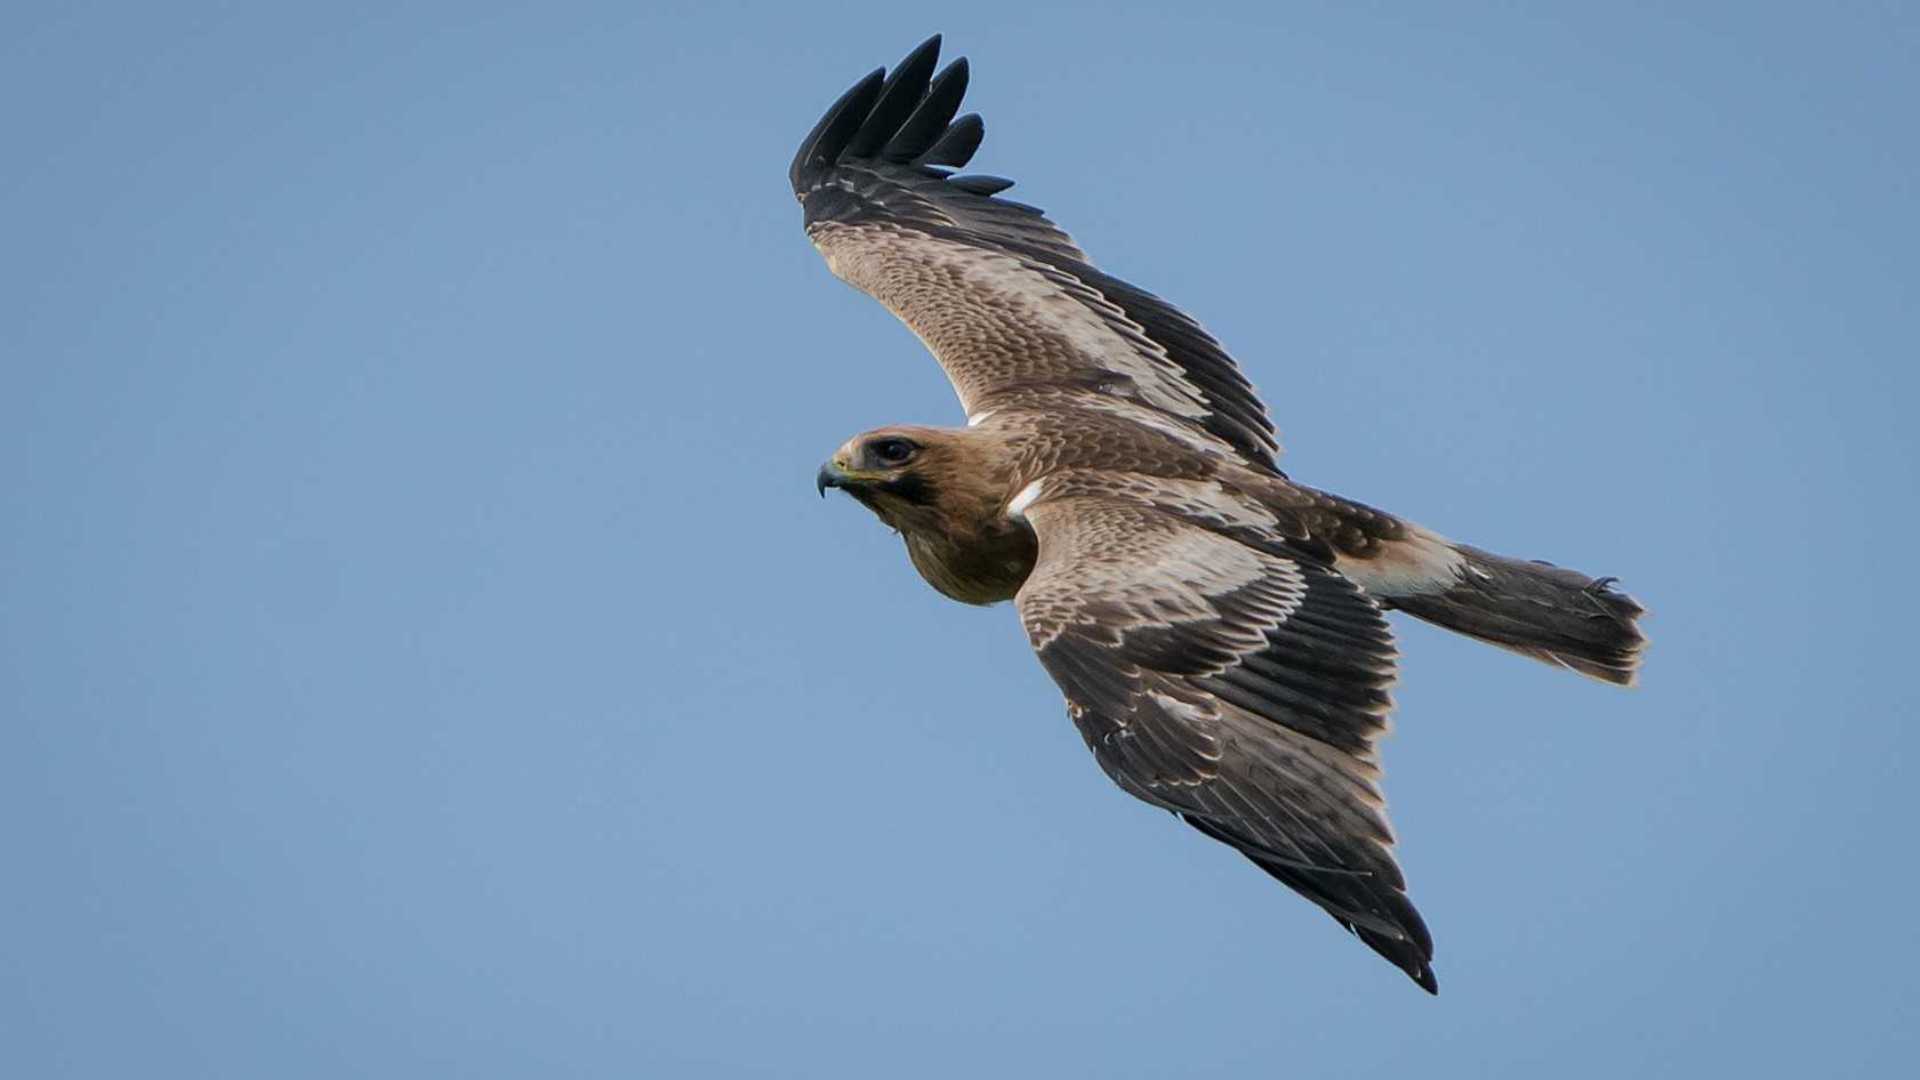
1002, 296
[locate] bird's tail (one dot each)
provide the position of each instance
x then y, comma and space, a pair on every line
1538, 610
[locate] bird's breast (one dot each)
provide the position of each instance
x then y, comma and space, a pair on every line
985, 568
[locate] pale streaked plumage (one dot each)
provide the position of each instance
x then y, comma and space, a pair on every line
1215, 627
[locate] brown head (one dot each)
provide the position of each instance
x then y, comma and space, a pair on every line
945, 490
904, 474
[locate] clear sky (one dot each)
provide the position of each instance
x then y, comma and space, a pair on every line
422, 651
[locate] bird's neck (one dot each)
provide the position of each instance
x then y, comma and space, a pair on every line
967, 547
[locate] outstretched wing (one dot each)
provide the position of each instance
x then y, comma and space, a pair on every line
1001, 296
1229, 680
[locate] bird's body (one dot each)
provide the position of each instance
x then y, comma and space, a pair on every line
954, 515
1215, 627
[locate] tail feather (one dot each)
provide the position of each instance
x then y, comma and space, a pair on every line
1537, 609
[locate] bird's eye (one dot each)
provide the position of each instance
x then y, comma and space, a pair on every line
892, 451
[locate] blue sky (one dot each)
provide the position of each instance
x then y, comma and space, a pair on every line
422, 651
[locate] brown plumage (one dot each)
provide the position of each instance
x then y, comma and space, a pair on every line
945, 492
1216, 628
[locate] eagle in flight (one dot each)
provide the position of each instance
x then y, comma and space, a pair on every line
1215, 626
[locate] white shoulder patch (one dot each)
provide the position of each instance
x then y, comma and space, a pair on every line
1017, 509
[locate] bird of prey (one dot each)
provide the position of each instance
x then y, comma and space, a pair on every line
1215, 626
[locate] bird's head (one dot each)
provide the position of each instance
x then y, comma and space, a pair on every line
896, 472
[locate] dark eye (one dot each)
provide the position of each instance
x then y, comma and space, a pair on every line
892, 451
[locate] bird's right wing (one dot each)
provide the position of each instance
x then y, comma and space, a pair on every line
1229, 680
1003, 298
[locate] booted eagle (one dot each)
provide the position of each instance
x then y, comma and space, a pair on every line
1215, 626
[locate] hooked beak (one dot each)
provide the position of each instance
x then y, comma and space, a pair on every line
829, 476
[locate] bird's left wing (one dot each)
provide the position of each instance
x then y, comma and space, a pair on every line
1216, 673
1003, 298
